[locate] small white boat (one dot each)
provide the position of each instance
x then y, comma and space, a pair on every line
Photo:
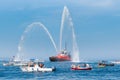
36, 68
8, 64
115, 62
21, 63
15, 63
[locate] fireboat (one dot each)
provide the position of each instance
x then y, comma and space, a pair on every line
61, 56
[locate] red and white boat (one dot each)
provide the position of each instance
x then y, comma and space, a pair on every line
86, 67
62, 56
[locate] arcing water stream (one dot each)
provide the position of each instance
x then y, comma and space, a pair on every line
75, 50
65, 18
29, 28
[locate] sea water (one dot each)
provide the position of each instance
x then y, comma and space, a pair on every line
63, 72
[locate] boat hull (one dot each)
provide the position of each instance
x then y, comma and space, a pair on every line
15, 64
82, 68
103, 65
116, 62
54, 59
36, 69
109, 64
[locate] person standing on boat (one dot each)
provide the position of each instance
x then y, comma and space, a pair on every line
78, 66
73, 66
41, 65
87, 65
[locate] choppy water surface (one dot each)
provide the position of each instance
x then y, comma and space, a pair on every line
63, 72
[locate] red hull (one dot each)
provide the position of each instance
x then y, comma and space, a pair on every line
54, 58
82, 68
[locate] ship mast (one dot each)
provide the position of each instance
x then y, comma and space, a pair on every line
65, 46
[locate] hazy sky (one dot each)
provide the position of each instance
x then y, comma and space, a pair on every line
96, 24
